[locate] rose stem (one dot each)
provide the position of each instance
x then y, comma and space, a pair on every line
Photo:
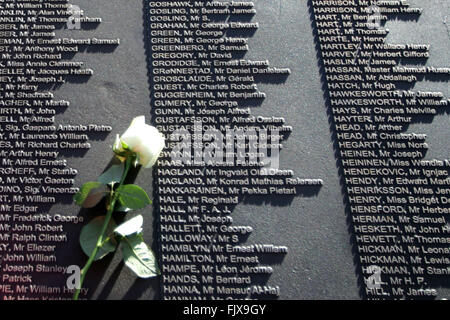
104, 227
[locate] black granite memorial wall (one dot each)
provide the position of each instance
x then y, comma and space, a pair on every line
306, 146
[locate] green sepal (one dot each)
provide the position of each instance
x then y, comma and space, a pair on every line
124, 145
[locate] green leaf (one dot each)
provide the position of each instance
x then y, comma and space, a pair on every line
133, 196
90, 194
113, 174
138, 257
90, 234
134, 225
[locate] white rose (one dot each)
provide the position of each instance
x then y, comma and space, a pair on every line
144, 140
